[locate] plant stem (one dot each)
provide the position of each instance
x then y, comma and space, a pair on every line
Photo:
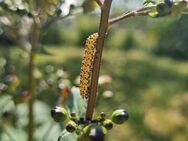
31, 92
138, 12
31, 80
105, 10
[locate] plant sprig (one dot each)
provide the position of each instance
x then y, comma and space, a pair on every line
105, 10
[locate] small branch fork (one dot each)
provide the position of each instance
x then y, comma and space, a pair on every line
105, 22
138, 12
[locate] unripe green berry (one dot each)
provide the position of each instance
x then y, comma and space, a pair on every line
59, 114
103, 115
71, 126
108, 124
119, 116
73, 117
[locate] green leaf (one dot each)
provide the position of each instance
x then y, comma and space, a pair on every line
149, 2
13, 134
76, 103
48, 132
66, 136
41, 111
6, 103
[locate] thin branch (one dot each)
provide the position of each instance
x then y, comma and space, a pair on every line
99, 2
51, 21
105, 10
138, 12
57, 18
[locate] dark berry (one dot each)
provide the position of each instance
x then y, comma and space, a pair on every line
94, 132
59, 114
169, 2
119, 116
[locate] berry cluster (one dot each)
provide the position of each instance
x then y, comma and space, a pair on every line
162, 8
85, 128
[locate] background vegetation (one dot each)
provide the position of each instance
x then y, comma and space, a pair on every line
146, 59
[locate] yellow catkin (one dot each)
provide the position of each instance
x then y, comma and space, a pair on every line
87, 64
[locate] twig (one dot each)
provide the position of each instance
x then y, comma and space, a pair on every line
105, 10
55, 19
99, 2
138, 12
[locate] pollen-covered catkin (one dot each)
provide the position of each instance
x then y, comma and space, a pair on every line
87, 64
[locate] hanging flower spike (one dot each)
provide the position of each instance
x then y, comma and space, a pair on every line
87, 65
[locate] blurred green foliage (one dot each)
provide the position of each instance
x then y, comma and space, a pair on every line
152, 88
71, 33
172, 39
153, 35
